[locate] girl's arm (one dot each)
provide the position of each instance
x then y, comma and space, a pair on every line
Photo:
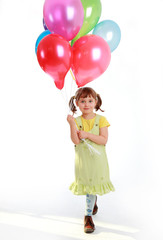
100, 139
73, 130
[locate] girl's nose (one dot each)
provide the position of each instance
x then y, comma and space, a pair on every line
86, 104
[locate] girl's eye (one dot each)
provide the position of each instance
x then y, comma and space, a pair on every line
90, 101
82, 101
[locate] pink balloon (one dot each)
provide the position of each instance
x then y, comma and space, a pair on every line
91, 57
64, 17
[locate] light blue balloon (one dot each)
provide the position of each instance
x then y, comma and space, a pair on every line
110, 32
41, 36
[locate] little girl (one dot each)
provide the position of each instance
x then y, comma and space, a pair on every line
91, 168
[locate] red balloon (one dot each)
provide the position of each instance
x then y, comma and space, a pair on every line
91, 57
54, 55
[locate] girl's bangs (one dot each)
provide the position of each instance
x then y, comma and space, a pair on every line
87, 93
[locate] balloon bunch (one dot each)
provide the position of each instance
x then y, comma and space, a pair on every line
64, 43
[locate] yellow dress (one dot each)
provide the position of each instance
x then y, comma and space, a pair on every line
91, 169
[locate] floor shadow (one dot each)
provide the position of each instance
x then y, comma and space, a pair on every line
66, 227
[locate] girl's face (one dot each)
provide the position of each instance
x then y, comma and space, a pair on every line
86, 105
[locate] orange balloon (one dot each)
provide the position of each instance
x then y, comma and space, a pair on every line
54, 55
91, 57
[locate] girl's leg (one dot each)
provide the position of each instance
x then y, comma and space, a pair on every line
90, 202
95, 209
89, 226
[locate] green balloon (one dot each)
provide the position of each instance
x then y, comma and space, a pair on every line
92, 13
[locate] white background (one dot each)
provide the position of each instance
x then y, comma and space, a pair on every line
36, 153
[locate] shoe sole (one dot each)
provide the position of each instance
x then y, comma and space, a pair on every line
88, 230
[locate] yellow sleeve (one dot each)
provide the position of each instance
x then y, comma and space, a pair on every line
76, 124
103, 122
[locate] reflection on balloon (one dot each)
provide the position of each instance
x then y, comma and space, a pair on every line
41, 36
54, 55
91, 57
92, 13
64, 17
110, 32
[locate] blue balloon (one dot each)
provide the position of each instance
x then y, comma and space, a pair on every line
41, 36
110, 32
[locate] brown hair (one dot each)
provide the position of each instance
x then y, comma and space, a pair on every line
85, 92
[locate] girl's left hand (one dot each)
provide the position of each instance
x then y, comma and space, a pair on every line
82, 134
70, 119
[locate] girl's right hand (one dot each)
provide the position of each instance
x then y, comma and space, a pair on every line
70, 119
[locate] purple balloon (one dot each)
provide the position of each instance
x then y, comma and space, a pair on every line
45, 27
64, 17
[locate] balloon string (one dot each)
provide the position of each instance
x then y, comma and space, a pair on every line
73, 79
66, 94
65, 100
91, 148
72, 74
67, 107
